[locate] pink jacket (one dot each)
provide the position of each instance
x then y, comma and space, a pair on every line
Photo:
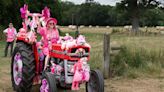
10, 33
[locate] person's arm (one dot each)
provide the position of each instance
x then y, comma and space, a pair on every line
41, 31
15, 31
39, 28
5, 31
57, 34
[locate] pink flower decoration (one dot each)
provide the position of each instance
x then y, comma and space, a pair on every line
46, 12
23, 11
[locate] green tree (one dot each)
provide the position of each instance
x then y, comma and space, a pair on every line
68, 11
93, 14
152, 17
127, 12
135, 8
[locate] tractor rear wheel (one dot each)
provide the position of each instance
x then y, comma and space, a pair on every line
22, 67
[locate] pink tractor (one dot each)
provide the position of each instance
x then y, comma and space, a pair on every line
67, 67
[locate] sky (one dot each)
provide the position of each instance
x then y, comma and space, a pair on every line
104, 2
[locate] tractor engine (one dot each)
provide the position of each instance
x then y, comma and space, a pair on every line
63, 68
62, 71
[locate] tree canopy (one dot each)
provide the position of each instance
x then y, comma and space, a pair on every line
136, 8
127, 12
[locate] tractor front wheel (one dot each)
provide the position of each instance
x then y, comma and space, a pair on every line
96, 82
48, 83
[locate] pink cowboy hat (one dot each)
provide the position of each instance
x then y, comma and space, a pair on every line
51, 19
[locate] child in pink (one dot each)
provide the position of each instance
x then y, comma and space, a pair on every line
50, 35
10, 35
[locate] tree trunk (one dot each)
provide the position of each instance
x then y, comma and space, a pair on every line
135, 24
135, 15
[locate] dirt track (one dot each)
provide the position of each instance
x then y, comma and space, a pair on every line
154, 84
136, 85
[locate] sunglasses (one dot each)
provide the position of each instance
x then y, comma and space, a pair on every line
51, 23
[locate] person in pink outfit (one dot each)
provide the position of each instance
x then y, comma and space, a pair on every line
10, 37
50, 35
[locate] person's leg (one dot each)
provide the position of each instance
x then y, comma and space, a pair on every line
46, 53
6, 48
46, 62
11, 48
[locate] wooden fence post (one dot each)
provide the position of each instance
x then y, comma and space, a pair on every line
106, 54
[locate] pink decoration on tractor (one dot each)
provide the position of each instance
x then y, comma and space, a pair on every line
24, 25
81, 73
23, 11
31, 37
81, 41
68, 37
57, 69
45, 86
46, 13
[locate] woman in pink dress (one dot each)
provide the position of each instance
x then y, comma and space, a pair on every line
50, 35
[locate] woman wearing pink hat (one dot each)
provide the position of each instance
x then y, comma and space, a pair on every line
50, 35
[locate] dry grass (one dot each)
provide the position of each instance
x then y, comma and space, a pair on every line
144, 53
88, 30
5, 81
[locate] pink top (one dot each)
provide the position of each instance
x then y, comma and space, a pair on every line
48, 36
10, 33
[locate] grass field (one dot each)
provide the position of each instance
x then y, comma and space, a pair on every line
140, 54
139, 66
